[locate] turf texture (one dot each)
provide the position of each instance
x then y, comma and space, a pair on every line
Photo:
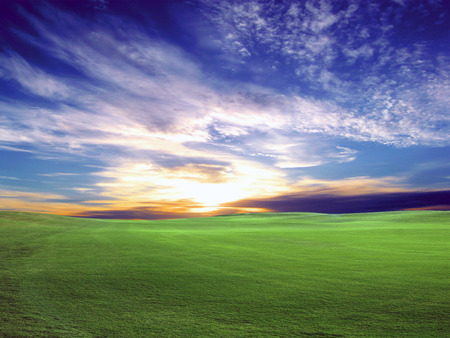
261, 275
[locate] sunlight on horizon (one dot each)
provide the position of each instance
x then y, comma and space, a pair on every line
155, 109
207, 186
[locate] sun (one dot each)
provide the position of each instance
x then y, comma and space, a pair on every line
197, 188
211, 194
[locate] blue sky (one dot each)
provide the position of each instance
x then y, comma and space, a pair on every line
161, 109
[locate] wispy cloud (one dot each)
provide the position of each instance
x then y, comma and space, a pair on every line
165, 128
39, 202
28, 195
58, 174
157, 92
82, 190
9, 178
32, 79
3, 147
349, 52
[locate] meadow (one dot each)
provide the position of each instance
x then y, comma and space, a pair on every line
288, 274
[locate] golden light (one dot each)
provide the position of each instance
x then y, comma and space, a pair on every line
201, 187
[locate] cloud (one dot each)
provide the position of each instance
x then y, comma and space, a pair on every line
36, 202
28, 195
3, 147
164, 127
205, 185
59, 174
137, 214
10, 178
350, 53
154, 96
32, 79
78, 189
336, 204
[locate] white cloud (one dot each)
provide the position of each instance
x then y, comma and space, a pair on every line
149, 99
59, 174
10, 178
318, 38
31, 78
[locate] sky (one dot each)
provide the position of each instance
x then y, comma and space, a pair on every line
169, 109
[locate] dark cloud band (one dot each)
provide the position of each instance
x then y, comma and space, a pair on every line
350, 204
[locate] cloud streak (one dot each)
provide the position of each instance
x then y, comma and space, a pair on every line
335, 204
165, 127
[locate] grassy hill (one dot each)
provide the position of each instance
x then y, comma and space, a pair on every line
294, 274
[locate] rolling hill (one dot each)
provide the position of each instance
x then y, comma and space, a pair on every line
288, 274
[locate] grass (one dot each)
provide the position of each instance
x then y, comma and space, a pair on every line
293, 274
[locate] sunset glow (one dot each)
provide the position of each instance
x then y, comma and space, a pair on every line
166, 109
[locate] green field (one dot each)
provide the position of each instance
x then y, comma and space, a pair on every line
291, 274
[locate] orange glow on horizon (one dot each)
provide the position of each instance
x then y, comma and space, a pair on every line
189, 192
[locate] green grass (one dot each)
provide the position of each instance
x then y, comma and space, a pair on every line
294, 274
